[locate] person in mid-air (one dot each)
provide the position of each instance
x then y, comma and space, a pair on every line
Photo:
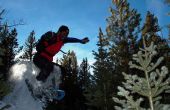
49, 45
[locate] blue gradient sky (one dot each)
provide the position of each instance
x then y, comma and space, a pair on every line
83, 17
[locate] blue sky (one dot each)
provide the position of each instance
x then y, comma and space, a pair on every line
83, 17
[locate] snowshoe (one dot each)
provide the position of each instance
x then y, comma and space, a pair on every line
60, 95
54, 94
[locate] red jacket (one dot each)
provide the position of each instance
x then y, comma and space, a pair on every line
53, 49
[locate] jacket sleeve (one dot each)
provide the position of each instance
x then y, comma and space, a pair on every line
71, 40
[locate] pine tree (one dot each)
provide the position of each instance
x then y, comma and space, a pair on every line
10, 44
167, 2
150, 29
169, 32
84, 74
1, 49
99, 95
29, 46
84, 80
4, 86
122, 31
73, 98
154, 82
150, 32
70, 84
1, 54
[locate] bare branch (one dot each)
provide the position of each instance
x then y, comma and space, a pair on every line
1, 13
14, 24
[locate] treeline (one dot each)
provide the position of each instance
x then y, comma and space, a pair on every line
124, 36
8, 50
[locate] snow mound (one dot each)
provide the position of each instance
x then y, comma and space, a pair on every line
23, 97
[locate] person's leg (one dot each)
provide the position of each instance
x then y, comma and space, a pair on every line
45, 71
38, 61
60, 93
45, 66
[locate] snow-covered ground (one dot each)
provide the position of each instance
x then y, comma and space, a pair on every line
21, 98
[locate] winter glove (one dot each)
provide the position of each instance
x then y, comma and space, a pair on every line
85, 40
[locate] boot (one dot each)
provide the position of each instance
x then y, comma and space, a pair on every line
42, 76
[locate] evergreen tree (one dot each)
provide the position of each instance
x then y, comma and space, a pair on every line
84, 74
150, 32
122, 32
167, 1
29, 46
169, 31
1, 54
10, 44
150, 86
84, 80
4, 86
99, 95
70, 82
1, 37
150, 29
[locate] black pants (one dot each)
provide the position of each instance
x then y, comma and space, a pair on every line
45, 66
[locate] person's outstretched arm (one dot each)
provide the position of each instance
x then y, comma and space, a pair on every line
75, 40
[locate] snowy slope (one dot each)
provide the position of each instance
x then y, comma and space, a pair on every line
21, 98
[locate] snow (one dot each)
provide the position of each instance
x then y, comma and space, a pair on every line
2, 104
21, 98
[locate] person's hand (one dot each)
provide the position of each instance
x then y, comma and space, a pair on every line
85, 40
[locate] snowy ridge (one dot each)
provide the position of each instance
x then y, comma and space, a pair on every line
21, 97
